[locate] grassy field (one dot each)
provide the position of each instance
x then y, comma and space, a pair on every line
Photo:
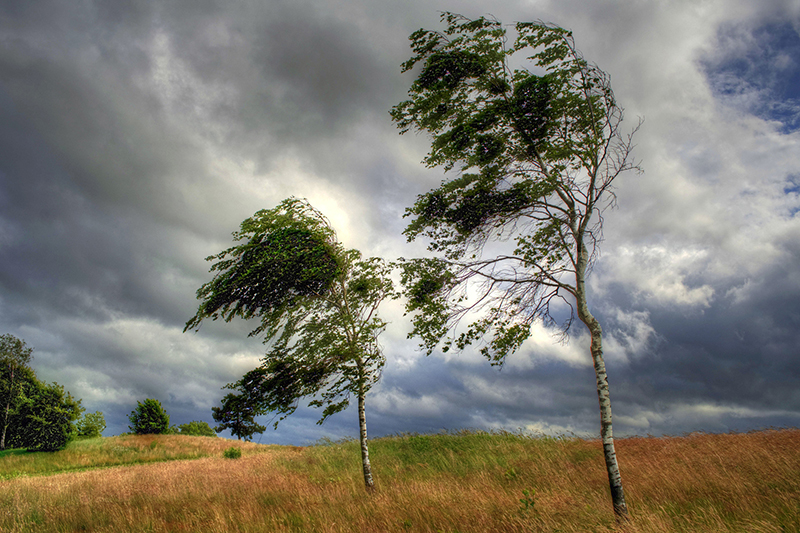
467, 482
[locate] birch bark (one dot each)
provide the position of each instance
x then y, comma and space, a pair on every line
606, 430
362, 425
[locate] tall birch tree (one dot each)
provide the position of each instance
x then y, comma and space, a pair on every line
534, 131
317, 303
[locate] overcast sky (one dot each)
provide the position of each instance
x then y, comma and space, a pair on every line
135, 136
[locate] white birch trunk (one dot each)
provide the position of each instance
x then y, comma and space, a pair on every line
362, 424
606, 432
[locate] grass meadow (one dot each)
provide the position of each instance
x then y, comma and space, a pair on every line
464, 482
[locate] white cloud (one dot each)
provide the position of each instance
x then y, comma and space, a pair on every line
544, 345
659, 274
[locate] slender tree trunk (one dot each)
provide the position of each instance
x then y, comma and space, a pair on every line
362, 424
606, 432
5, 428
8, 408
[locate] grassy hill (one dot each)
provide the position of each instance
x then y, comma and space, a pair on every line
466, 482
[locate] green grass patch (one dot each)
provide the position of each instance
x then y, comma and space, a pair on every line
101, 452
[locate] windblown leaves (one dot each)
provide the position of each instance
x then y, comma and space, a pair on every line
536, 146
270, 274
317, 306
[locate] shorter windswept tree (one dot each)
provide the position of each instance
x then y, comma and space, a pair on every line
237, 415
318, 308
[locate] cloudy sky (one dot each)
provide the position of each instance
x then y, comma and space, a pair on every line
135, 136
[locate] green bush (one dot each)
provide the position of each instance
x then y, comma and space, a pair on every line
149, 418
35, 415
49, 415
232, 453
196, 428
91, 425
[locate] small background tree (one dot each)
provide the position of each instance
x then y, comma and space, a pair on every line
35, 415
196, 428
50, 413
91, 425
149, 417
238, 415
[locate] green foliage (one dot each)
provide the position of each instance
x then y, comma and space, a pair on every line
528, 500
91, 425
15, 356
149, 417
289, 257
49, 413
317, 304
537, 148
238, 413
37, 416
196, 428
14, 352
232, 453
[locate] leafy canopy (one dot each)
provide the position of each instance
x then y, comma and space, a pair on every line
317, 304
91, 425
289, 257
196, 428
14, 352
148, 418
533, 130
49, 414
238, 415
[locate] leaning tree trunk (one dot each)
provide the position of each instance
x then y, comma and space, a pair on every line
362, 424
606, 433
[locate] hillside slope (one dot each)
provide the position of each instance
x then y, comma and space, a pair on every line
466, 482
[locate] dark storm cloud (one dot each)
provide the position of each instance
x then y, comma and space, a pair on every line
136, 135
738, 356
63, 251
77, 89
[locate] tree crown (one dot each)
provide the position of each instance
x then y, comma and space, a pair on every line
149, 417
14, 352
537, 147
317, 303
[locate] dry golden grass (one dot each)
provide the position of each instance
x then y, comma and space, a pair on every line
449, 483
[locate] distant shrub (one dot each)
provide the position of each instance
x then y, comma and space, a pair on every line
91, 425
149, 418
196, 428
232, 453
